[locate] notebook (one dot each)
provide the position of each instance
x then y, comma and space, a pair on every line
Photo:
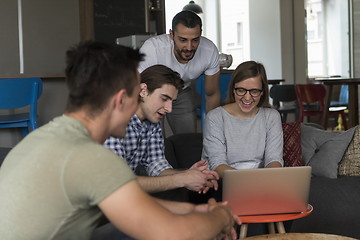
267, 190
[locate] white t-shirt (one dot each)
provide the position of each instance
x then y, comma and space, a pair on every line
160, 50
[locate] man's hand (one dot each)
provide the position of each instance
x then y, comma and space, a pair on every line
211, 176
194, 180
229, 232
200, 183
207, 207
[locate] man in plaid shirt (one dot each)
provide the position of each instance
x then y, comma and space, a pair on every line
143, 143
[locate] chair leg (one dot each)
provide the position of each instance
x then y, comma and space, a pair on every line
25, 131
284, 117
343, 118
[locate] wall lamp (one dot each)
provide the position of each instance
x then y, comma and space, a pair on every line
192, 6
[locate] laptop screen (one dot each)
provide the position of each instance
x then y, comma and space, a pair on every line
267, 190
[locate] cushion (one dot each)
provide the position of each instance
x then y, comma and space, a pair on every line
350, 164
323, 150
292, 145
183, 150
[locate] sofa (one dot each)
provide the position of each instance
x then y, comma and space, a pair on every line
335, 184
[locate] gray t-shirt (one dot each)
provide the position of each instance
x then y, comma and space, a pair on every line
243, 143
52, 181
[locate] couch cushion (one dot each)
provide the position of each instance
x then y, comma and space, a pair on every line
183, 150
336, 207
350, 164
323, 150
292, 145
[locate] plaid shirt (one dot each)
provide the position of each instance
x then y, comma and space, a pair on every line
143, 144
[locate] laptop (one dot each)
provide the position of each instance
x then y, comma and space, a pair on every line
267, 190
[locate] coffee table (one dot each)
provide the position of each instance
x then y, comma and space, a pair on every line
271, 219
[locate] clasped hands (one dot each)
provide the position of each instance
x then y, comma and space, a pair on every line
229, 230
199, 178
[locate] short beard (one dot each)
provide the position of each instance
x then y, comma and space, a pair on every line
179, 53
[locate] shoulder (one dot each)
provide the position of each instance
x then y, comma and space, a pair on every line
216, 114
95, 156
215, 111
207, 43
160, 40
271, 117
207, 47
270, 112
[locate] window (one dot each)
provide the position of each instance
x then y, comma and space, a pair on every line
328, 38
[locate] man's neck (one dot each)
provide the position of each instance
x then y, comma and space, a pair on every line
94, 125
140, 114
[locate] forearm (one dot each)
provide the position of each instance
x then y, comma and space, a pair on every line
159, 183
221, 168
176, 207
156, 222
212, 91
212, 224
274, 165
213, 100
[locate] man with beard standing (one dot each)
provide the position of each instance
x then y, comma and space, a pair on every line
185, 51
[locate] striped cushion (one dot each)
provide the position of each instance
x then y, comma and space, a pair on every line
292, 144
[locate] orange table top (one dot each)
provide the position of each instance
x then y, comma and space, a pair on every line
275, 217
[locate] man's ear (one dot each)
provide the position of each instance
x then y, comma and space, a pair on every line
171, 33
119, 98
143, 90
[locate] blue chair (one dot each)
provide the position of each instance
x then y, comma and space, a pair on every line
343, 98
224, 83
19, 93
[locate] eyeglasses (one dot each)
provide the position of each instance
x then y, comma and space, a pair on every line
242, 92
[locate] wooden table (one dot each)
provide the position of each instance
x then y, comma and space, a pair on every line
300, 236
353, 105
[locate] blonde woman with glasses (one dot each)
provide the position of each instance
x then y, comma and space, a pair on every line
246, 132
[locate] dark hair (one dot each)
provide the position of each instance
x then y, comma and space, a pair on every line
158, 75
96, 71
248, 70
187, 18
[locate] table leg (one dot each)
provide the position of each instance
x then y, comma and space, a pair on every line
243, 231
271, 228
327, 105
353, 106
280, 227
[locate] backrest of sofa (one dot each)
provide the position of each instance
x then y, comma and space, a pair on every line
183, 150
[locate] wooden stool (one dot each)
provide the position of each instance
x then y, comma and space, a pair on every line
271, 219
